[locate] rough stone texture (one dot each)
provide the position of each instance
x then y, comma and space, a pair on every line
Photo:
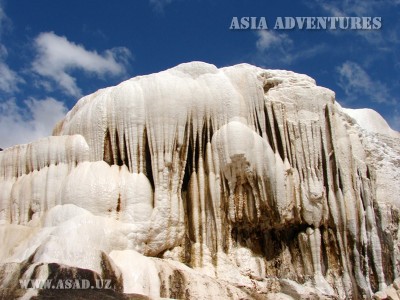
206, 183
392, 293
396, 283
380, 296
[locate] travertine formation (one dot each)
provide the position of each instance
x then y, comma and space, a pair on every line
206, 183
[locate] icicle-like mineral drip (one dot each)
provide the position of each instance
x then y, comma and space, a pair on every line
218, 168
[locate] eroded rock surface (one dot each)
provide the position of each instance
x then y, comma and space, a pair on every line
206, 183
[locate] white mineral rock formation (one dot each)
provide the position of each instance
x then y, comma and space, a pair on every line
206, 183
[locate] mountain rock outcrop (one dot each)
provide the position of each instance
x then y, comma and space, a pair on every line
206, 183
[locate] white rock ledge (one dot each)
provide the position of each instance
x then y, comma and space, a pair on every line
206, 183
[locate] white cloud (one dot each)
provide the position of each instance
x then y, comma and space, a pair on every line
270, 39
273, 47
4, 21
8, 79
159, 5
57, 58
22, 125
358, 84
357, 8
364, 8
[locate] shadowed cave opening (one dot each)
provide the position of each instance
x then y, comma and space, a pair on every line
276, 245
278, 136
115, 157
147, 155
120, 158
269, 130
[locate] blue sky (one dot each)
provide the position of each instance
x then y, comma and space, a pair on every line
53, 52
